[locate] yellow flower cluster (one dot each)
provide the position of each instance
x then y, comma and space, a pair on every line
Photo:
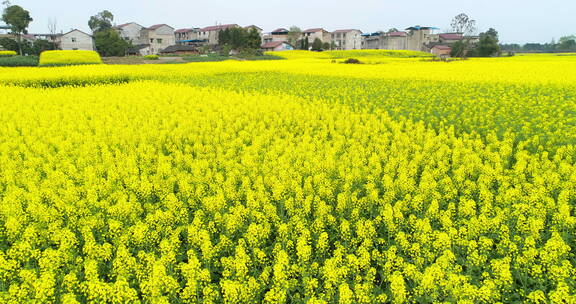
257, 182
55, 58
7, 53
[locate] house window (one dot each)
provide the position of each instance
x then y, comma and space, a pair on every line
73, 39
151, 40
158, 40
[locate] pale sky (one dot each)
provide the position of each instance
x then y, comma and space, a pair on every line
517, 21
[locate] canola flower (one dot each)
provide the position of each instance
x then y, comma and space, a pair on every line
7, 53
56, 58
167, 184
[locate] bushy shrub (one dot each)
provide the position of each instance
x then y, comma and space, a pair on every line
18, 61
7, 53
352, 61
58, 58
151, 57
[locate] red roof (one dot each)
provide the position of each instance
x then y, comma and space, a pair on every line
313, 30
217, 27
396, 34
451, 36
345, 31
157, 26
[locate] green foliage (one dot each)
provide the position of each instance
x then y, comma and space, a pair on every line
19, 61
18, 19
109, 43
239, 39
304, 44
567, 44
101, 21
294, 35
27, 48
317, 45
488, 45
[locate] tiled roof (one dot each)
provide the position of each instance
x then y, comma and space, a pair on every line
217, 27
157, 26
346, 31
184, 30
451, 36
280, 30
442, 47
272, 44
313, 30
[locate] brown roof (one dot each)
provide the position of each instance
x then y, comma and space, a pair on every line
396, 34
271, 44
442, 47
179, 48
451, 36
346, 31
217, 27
184, 30
157, 26
314, 30
126, 24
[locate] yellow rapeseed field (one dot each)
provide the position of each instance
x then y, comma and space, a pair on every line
291, 181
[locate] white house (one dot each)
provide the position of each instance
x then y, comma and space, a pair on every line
320, 33
130, 32
76, 40
159, 37
347, 39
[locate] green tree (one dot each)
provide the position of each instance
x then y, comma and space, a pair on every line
101, 21
467, 27
567, 44
294, 34
239, 39
304, 44
253, 40
488, 45
18, 19
109, 43
317, 45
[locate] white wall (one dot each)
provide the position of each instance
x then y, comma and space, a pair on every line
76, 40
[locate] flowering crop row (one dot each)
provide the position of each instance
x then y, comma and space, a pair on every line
283, 187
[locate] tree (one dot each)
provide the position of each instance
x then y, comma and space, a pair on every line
239, 39
467, 27
304, 44
109, 43
294, 34
488, 45
18, 19
317, 45
101, 21
567, 44
253, 40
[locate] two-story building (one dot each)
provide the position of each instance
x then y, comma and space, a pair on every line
75, 40
130, 32
320, 33
188, 36
159, 37
210, 33
347, 39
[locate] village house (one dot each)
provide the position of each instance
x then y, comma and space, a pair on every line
420, 36
188, 36
159, 37
139, 50
130, 32
254, 27
210, 33
347, 39
320, 33
394, 40
276, 46
442, 51
277, 35
75, 40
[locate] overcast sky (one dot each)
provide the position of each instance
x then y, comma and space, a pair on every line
518, 21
